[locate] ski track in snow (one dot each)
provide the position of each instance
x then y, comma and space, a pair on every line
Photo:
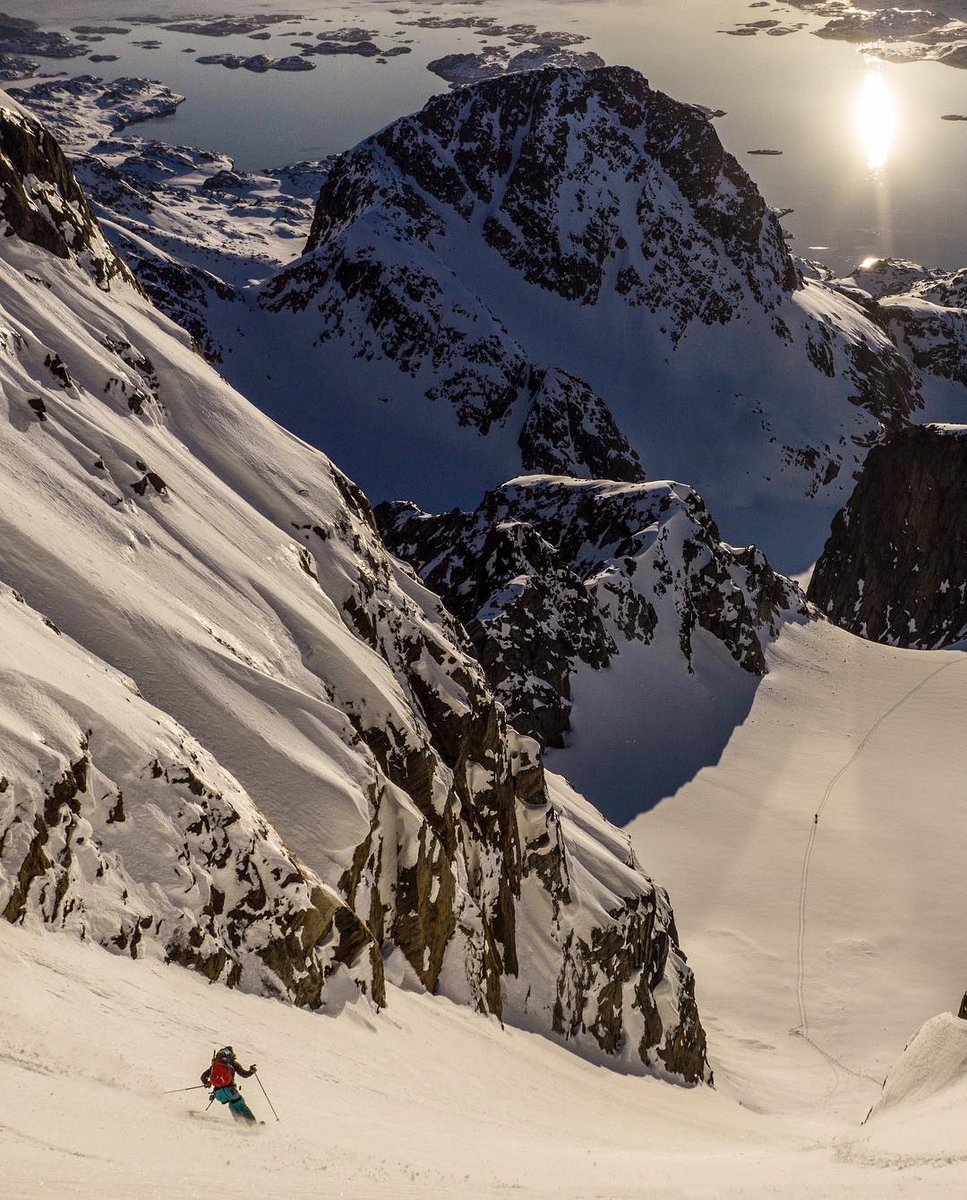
803, 1027
881, 948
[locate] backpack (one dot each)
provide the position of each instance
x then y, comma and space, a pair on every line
222, 1074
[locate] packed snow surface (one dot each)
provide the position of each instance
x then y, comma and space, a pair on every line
430, 1099
817, 876
434, 1102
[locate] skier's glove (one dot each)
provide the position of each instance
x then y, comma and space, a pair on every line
253, 1067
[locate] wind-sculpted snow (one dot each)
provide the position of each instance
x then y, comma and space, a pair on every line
377, 797
550, 573
584, 222
895, 566
116, 826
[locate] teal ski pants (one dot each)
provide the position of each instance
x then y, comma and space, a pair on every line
233, 1098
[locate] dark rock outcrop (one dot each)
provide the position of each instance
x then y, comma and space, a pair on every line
548, 574
41, 203
181, 290
895, 566
502, 146
569, 430
20, 36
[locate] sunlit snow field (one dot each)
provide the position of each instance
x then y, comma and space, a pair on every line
430, 1100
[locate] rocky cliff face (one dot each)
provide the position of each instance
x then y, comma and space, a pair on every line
895, 566
350, 800
41, 203
550, 573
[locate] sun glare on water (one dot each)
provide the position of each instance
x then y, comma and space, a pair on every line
876, 120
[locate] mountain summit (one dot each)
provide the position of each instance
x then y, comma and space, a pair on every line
575, 221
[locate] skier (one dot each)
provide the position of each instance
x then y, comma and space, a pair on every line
220, 1076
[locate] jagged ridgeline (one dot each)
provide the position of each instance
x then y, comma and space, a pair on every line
550, 574
234, 732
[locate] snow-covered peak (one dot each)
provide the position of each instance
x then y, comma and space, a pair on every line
557, 169
584, 223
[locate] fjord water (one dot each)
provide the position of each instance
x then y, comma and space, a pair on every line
867, 164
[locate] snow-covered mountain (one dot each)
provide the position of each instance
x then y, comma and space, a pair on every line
576, 221
551, 575
561, 255
925, 311
895, 566
264, 737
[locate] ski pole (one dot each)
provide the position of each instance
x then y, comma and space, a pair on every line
191, 1089
266, 1095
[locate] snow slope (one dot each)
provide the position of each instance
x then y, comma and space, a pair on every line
821, 947
119, 828
431, 1101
